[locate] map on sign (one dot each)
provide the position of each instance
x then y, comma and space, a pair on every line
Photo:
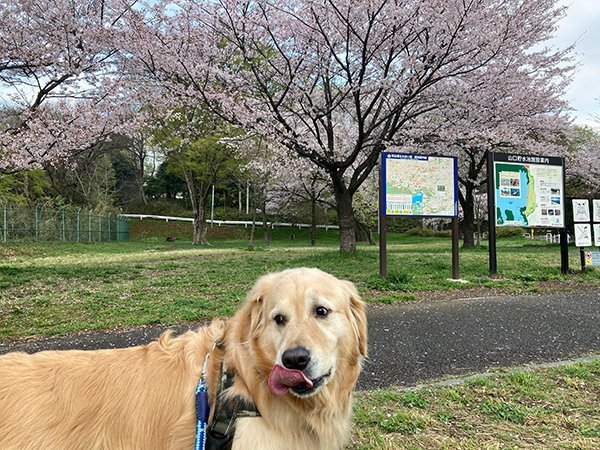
529, 194
419, 185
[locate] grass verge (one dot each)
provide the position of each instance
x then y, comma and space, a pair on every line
55, 288
547, 408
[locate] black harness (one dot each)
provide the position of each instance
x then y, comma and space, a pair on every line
227, 410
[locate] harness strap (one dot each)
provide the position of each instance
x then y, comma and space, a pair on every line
227, 410
202, 413
219, 435
202, 408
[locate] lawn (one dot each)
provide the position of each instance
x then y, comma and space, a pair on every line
56, 288
548, 408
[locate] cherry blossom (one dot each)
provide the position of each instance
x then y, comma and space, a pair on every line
59, 78
338, 81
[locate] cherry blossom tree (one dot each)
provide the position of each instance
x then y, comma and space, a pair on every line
275, 182
509, 110
583, 162
138, 153
304, 183
58, 76
262, 172
338, 81
366, 206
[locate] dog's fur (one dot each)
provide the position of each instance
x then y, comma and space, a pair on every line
143, 397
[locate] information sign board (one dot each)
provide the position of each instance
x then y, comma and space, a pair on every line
583, 235
581, 210
592, 258
419, 185
528, 190
596, 204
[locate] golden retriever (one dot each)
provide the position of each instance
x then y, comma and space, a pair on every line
294, 350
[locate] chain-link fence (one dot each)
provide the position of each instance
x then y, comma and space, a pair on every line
65, 224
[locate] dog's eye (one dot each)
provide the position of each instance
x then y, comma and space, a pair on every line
279, 319
321, 311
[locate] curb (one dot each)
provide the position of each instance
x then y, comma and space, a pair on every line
455, 381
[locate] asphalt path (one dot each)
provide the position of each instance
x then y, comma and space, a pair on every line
413, 343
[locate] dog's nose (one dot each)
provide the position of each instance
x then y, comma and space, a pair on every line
296, 358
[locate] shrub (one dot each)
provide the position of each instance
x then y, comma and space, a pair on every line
428, 232
508, 232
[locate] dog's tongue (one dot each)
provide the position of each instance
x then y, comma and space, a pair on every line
282, 379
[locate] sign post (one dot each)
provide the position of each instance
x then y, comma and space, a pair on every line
417, 186
382, 224
455, 261
491, 221
564, 251
526, 191
563, 233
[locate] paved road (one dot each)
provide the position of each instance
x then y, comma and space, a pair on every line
417, 342
412, 343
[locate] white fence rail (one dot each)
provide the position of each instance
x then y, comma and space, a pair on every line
244, 223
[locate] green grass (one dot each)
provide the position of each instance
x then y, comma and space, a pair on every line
538, 409
55, 288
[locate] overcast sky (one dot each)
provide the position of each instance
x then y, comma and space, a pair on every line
582, 26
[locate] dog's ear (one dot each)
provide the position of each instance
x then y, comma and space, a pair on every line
255, 304
358, 316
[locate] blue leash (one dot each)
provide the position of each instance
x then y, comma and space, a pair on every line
202, 408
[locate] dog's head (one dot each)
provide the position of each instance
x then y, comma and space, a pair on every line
306, 328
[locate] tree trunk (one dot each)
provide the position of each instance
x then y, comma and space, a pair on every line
203, 233
266, 228
196, 237
252, 229
140, 178
313, 222
143, 194
200, 228
346, 220
365, 231
198, 201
